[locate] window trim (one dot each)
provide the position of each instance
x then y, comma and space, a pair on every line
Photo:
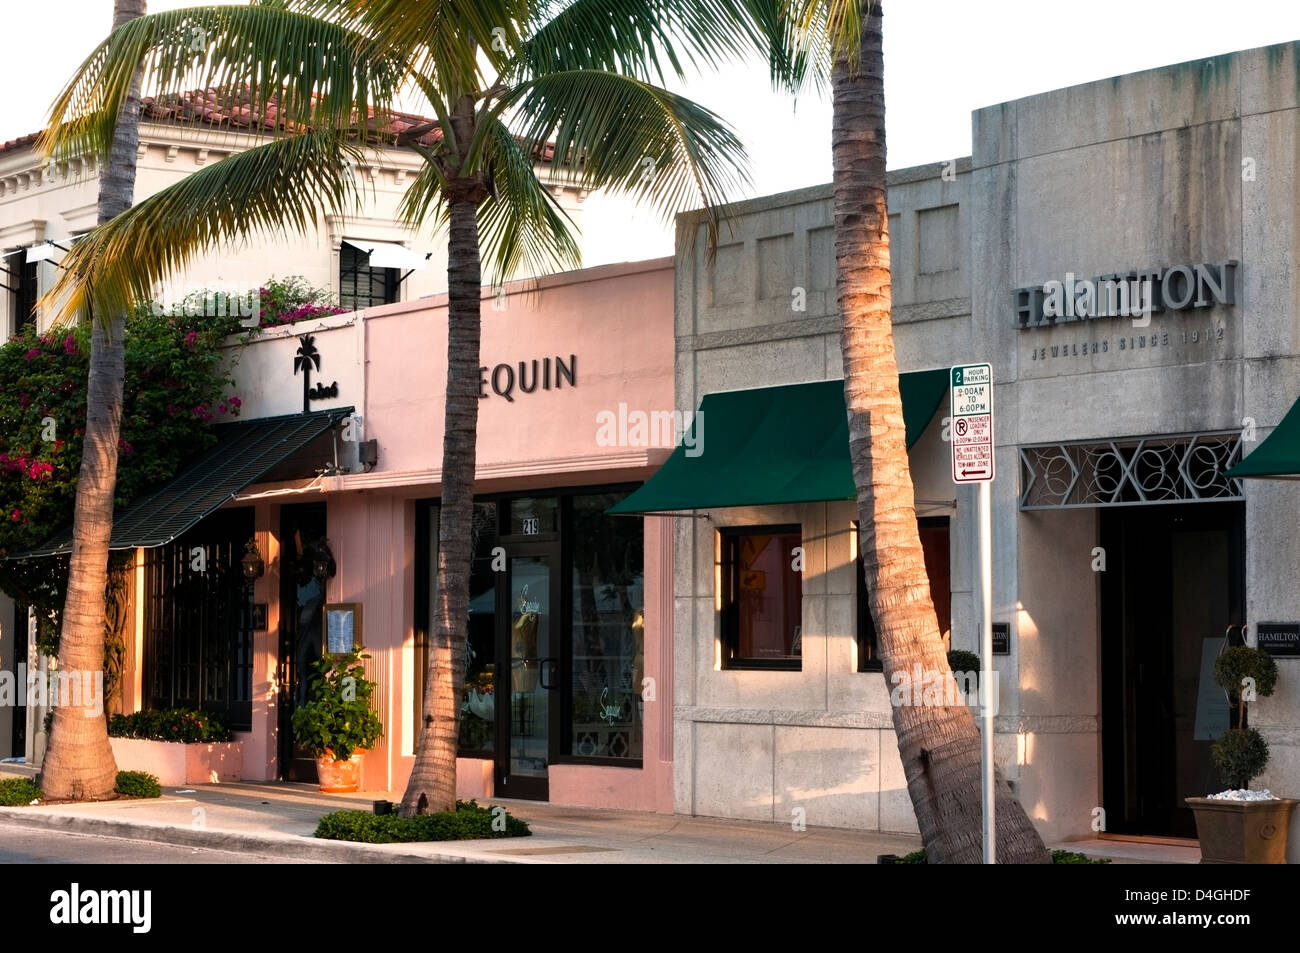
862, 614
728, 632
392, 279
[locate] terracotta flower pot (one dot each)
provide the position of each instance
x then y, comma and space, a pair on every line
1242, 832
339, 777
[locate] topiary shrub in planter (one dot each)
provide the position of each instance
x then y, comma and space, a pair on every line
337, 724
1241, 826
959, 660
137, 784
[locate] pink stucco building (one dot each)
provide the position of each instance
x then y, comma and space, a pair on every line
335, 479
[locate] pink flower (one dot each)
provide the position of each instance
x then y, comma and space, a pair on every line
16, 515
192, 340
222, 406
172, 410
31, 354
235, 402
23, 401
124, 448
70, 345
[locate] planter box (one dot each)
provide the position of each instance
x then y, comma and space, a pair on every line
175, 763
1242, 832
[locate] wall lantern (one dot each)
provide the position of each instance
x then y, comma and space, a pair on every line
253, 563
322, 560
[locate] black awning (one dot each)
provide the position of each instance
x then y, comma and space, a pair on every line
246, 452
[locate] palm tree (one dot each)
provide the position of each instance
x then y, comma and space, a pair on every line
79, 761
507, 82
940, 746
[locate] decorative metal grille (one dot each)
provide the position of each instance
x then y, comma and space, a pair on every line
1137, 471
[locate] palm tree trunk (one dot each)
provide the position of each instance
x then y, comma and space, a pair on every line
432, 785
79, 761
940, 745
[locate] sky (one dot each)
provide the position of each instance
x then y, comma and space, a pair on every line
943, 59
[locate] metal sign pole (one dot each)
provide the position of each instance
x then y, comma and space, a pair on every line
973, 461
986, 656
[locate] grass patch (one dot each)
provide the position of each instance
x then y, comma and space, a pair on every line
19, 792
468, 822
137, 784
1058, 857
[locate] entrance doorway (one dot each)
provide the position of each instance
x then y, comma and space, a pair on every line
528, 637
555, 651
1175, 582
303, 577
18, 727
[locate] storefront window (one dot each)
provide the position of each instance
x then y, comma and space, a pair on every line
762, 598
608, 636
934, 544
478, 707
534, 516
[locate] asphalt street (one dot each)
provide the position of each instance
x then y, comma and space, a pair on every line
25, 846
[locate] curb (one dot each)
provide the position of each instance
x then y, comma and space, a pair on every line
282, 845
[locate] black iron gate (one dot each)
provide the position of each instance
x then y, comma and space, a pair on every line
198, 621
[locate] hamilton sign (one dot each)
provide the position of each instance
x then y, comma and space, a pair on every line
1136, 294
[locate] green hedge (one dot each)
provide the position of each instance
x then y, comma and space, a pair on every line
17, 792
468, 822
1058, 857
137, 784
173, 724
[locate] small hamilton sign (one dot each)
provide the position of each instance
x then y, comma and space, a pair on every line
1278, 638
972, 423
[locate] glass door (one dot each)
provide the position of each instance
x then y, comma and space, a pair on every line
302, 597
528, 627
1174, 585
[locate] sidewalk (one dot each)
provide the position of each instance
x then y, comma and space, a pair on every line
279, 818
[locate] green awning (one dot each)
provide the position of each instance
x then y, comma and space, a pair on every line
787, 444
1279, 454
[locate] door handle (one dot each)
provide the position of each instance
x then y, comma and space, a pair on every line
541, 676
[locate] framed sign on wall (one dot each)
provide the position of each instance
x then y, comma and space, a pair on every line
342, 627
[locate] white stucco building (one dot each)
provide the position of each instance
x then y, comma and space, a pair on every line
42, 201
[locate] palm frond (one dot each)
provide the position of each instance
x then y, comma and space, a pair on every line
443, 39
268, 191
296, 72
823, 30
643, 38
522, 228
620, 133
792, 38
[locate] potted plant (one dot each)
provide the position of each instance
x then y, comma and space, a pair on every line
337, 724
1241, 826
480, 699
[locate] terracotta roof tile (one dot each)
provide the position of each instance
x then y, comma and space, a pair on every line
221, 109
